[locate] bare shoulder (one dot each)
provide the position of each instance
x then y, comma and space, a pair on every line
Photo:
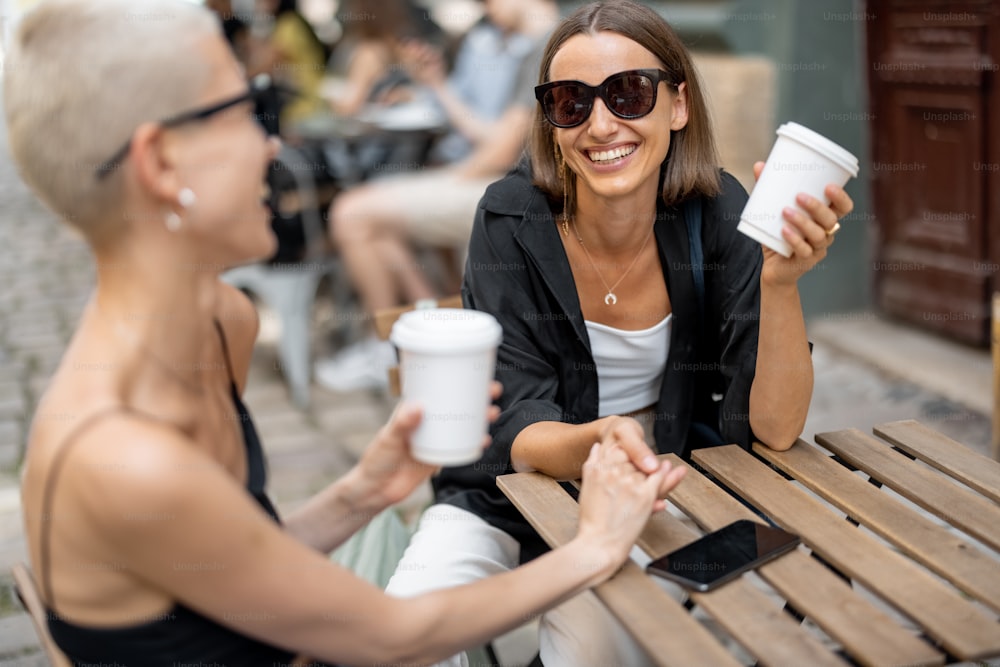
142, 488
240, 323
237, 313
128, 464
107, 466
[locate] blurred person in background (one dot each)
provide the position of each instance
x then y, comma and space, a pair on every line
489, 101
286, 47
369, 57
235, 28
145, 510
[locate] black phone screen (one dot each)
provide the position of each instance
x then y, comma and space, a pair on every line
723, 555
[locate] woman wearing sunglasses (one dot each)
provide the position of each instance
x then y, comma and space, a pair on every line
149, 530
614, 330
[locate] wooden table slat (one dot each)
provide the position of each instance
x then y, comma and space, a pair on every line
963, 629
950, 457
771, 635
958, 505
869, 635
646, 610
637, 601
969, 568
745, 612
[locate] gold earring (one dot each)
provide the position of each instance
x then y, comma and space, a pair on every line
564, 177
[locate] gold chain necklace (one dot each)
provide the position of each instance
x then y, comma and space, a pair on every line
610, 298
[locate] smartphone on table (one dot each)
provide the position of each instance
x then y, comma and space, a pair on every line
723, 555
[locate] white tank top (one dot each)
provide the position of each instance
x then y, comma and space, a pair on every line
630, 365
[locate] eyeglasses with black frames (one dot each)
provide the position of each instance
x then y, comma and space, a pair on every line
628, 95
259, 85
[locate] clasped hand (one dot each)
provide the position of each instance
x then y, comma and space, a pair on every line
619, 493
623, 481
626, 435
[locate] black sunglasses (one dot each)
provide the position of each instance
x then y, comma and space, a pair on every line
259, 85
628, 95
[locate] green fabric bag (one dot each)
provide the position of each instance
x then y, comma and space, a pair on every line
373, 552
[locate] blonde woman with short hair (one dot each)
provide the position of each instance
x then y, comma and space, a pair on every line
146, 516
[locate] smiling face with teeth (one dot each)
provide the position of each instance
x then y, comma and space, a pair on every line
615, 159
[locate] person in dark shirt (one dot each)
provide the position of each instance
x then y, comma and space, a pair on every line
144, 498
618, 325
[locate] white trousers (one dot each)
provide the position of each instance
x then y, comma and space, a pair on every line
453, 547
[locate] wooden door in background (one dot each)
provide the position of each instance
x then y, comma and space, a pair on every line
936, 161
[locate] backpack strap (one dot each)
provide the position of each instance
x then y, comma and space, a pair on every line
692, 218
701, 433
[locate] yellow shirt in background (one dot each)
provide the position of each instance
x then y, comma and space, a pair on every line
302, 67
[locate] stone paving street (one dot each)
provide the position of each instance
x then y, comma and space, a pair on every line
46, 277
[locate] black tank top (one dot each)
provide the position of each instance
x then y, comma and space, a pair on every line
180, 636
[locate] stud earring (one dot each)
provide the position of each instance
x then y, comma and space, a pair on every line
173, 222
186, 198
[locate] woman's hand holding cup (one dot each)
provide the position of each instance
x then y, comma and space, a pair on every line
809, 234
388, 467
786, 213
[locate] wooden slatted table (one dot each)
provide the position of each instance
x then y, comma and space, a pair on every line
896, 585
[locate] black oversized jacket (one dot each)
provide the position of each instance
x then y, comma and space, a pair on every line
518, 271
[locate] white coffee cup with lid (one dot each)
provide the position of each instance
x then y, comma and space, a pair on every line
800, 161
447, 363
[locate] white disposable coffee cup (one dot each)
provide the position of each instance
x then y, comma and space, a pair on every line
800, 161
447, 361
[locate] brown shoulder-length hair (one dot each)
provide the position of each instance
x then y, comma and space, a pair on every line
691, 165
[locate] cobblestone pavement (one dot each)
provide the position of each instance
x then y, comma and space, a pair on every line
46, 277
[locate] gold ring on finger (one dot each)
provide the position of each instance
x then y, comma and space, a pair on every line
833, 230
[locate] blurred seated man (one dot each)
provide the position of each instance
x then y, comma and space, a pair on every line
377, 224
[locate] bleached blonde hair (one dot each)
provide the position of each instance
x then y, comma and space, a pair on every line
80, 77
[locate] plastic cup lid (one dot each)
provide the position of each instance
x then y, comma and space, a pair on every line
835, 152
445, 331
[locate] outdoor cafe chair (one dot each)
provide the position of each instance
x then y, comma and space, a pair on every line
27, 593
289, 289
